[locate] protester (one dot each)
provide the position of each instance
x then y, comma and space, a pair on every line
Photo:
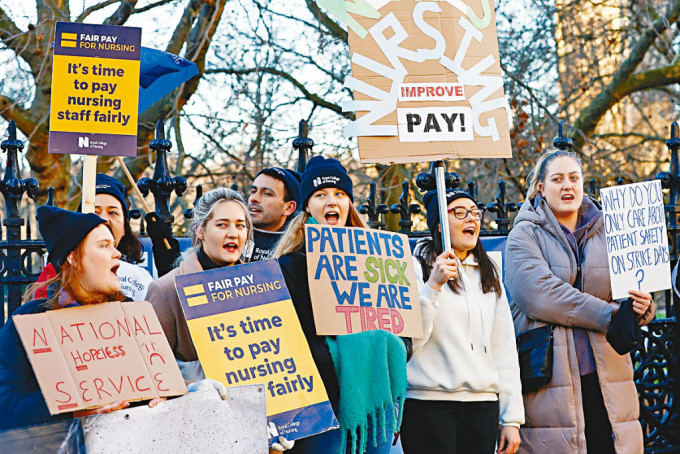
556, 272
81, 249
220, 228
110, 205
326, 198
274, 199
463, 380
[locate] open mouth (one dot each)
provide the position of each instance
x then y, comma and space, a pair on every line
332, 217
470, 231
254, 209
114, 269
568, 197
231, 247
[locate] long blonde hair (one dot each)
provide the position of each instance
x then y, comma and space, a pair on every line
293, 240
537, 174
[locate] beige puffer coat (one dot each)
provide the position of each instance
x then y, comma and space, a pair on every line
540, 268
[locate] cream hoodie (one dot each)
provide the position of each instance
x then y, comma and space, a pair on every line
468, 350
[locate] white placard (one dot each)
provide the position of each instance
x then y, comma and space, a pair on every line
200, 422
637, 242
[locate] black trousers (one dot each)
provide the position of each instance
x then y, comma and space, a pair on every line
449, 427
599, 436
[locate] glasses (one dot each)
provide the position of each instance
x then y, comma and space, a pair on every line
462, 213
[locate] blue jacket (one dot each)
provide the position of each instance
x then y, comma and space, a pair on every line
21, 402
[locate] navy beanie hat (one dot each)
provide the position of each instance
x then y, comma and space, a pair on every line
430, 202
289, 178
109, 185
63, 230
323, 173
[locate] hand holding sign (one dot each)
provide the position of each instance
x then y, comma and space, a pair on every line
637, 242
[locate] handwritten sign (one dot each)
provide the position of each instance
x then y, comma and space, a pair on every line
361, 280
246, 331
637, 242
91, 356
95, 89
424, 72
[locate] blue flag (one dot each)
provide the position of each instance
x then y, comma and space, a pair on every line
160, 73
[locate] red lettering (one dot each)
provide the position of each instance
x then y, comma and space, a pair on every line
68, 396
459, 90
420, 90
141, 377
94, 331
84, 390
370, 318
122, 352
64, 334
439, 91
99, 386
158, 383
152, 356
113, 330
449, 90
348, 310
383, 323
148, 328
411, 92
397, 321
76, 357
122, 327
430, 91
117, 388
43, 338
138, 327
77, 326
107, 350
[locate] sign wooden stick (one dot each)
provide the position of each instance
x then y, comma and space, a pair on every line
89, 183
136, 190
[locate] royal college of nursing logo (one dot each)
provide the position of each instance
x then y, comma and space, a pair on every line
332, 179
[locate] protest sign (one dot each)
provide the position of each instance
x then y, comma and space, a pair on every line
95, 89
361, 280
637, 242
200, 422
94, 355
424, 72
246, 331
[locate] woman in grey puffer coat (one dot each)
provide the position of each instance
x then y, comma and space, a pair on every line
557, 244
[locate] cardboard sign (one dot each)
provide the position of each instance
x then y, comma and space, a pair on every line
424, 72
91, 356
200, 422
246, 331
637, 242
361, 280
95, 89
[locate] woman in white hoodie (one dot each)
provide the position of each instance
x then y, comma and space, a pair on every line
463, 379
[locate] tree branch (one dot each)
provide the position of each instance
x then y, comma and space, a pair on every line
333, 27
314, 98
94, 8
181, 32
11, 110
589, 117
121, 15
10, 34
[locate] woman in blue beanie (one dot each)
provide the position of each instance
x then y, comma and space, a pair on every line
326, 198
81, 249
463, 380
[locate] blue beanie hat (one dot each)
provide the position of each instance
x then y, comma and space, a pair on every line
430, 202
63, 230
289, 178
323, 173
109, 185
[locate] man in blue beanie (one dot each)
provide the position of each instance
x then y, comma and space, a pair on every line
274, 199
